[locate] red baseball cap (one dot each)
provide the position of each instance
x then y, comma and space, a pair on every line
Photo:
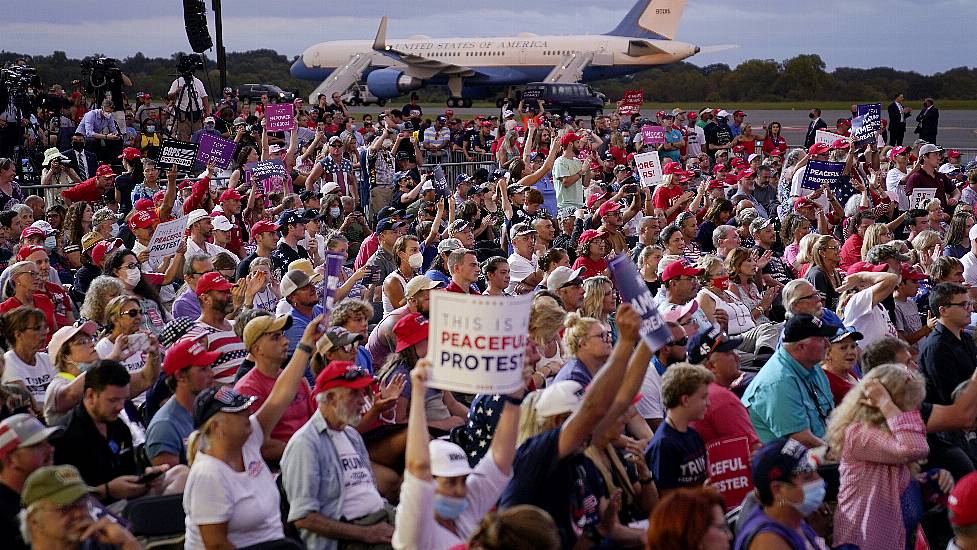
740, 113
660, 114
486, 124
130, 153
186, 353
568, 139
775, 153
859, 267
738, 162
680, 269
594, 197
31, 231
671, 168
409, 330
803, 202
102, 248
589, 235
963, 501
730, 179
158, 197
230, 194
840, 143
263, 226
341, 374
909, 273
716, 184
609, 206
896, 151
691, 115
718, 168
141, 219
212, 281
27, 250
748, 173
953, 154
817, 149
104, 170
144, 204
739, 148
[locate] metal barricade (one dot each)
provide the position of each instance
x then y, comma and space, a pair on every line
457, 163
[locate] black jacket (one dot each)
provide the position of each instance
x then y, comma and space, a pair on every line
812, 128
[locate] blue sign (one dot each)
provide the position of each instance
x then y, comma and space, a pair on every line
865, 127
634, 291
334, 264
820, 172
440, 181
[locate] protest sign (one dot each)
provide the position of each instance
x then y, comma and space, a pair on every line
176, 153
166, 239
334, 263
634, 291
652, 134
530, 98
865, 127
440, 181
264, 169
649, 168
920, 195
729, 469
826, 137
631, 102
476, 343
215, 149
820, 172
279, 117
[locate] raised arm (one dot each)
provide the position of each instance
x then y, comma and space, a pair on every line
283, 393
417, 457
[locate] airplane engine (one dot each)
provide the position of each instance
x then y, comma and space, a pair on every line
390, 83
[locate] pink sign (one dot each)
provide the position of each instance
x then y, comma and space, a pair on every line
729, 469
280, 117
653, 134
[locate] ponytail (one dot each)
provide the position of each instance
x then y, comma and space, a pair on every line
529, 420
198, 440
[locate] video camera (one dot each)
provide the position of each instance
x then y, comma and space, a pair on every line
20, 83
186, 64
99, 69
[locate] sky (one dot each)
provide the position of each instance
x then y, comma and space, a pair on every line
902, 34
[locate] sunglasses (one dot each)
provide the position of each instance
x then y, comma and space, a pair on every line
681, 343
134, 313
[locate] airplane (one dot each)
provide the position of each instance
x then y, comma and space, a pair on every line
475, 67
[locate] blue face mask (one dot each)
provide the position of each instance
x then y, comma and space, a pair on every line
814, 492
334, 212
449, 507
50, 243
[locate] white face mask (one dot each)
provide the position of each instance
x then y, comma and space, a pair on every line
416, 260
131, 277
50, 243
115, 230
334, 211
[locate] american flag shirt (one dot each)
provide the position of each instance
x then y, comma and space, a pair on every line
231, 348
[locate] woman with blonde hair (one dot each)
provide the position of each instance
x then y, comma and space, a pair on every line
743, 266
588, 345
599, 301
927, 246
878, 435
824, 274
546, 319
793, 230
100, 293
957, 240
875, 234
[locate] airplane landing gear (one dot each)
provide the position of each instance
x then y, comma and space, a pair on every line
463, 102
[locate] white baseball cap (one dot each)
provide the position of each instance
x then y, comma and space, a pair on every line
448, 459
560, 397
561, 276
221, 223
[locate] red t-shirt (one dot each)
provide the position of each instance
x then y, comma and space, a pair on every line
851, 251
592, 268
664, 197
725, 418
839, 386
42, 303
454, 287
60, 300
86, 191
298, 412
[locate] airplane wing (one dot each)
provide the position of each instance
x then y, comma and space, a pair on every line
417, 65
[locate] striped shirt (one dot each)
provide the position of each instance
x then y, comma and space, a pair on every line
231, 348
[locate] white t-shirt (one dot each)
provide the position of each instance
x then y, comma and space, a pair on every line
969, 261
872, 321
797, 191
134, 363
320, 245
36, 377
184, 96
360, 496
650, 404
519, 269
895, 185
416, 527
247, 501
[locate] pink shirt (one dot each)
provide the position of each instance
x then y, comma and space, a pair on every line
298, 412
874, 473
725, 418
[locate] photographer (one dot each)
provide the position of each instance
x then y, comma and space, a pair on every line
192, 104
106, 82
12, 114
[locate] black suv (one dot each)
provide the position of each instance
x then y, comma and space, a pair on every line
569, 99
253, 92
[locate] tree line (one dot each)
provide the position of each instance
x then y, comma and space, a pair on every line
803, 77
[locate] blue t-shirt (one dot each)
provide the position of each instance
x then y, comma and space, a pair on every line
438, 276
168, 431
673, 135
299, 322
677, 459
574, 370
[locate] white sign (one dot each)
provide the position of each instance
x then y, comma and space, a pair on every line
649, 167
920, 195
476, 343
166, 238
826, 137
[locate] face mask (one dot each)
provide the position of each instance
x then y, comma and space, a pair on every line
150, 129
813, 497
50, 243
416, 260
334, 211
810, 116
78, 146
449, 507
115, 230
721, 282
209, 126
131, 277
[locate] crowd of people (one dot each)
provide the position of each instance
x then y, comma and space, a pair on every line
830, 332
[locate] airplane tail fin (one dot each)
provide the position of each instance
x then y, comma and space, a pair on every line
653, 19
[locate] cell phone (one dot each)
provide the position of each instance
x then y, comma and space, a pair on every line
148, 478
631, 188
138, 341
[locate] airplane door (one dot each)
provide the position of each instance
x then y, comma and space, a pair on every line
603, 55
522, 56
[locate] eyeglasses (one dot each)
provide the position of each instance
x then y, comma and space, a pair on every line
135, 312
966, 305
681, 343
604, 335
204, 272
130, 265
353, 373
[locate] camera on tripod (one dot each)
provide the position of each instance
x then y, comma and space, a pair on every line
186, 64
99, 69
21, 83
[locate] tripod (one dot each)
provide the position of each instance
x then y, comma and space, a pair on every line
189, 91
